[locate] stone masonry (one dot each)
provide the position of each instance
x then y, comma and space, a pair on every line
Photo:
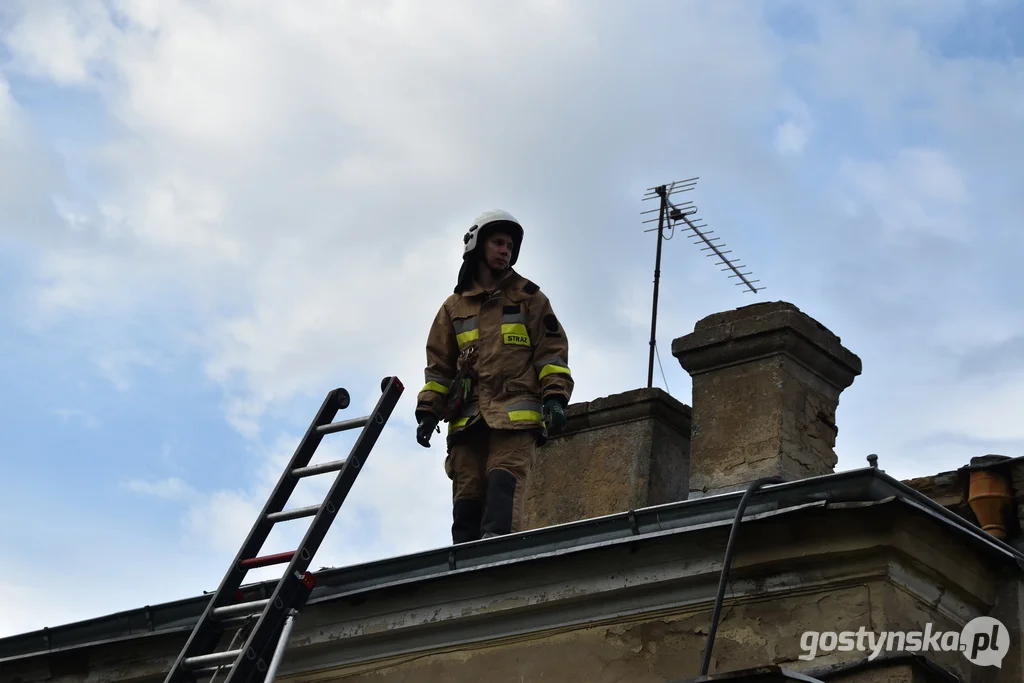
618, 453
766, 385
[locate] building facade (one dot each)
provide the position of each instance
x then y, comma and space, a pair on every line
629, 516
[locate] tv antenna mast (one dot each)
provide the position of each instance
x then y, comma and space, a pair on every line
670, 214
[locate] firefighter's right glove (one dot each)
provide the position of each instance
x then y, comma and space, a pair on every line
425, 429
554, 416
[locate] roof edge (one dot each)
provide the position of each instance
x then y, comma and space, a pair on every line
853, 485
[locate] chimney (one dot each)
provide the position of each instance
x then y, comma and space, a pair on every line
618, 453
766, 385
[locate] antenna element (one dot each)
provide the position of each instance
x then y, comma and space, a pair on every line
672, 213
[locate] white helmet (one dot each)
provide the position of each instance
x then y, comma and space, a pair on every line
494, 219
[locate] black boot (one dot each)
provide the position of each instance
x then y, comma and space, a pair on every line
501, 491
466, 515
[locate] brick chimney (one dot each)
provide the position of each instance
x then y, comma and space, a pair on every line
618, 453
766, 385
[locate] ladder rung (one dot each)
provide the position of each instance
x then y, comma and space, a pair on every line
294, 513
210, 660
309, 471
266, 560
344, 425
240, 609
260, 627
235, 623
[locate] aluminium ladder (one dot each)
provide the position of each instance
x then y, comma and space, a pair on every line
256, 659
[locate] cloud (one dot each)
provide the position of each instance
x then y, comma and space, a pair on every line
994, 359
791, 138
919, 190
29, 171
84, 417
200, 212
392, 509
169, 489
53, 42
275, 201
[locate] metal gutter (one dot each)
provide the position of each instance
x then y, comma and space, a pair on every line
627, 527
349, 589
918, 500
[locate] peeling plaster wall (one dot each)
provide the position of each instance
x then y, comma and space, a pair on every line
668, 647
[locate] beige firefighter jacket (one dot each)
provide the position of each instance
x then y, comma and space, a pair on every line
521, 356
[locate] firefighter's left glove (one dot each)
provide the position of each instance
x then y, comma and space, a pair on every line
554, 416
425, 429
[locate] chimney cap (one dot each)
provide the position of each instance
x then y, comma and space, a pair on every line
765, 329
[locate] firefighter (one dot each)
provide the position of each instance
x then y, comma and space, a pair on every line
497, 372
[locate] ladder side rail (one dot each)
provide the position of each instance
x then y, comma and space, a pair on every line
282, 644
256, 671
205, 634
261, 637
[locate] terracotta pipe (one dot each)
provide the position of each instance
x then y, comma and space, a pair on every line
989, 497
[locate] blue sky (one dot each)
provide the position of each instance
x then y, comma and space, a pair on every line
209, 219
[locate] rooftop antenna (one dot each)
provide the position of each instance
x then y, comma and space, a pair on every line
669, 215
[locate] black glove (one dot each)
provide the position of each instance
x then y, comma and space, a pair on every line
425, 429
554, 415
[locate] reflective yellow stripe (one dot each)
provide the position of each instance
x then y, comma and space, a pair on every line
467, 337
435, 386
515, 333
524, 415
553, 369
455, 424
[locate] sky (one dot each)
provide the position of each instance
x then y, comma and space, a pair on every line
213, 213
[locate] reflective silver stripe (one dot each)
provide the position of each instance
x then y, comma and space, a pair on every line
463, 326
513, 318
440, 379
554, 360
525, 405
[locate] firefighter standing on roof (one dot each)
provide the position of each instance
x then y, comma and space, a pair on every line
497, 372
